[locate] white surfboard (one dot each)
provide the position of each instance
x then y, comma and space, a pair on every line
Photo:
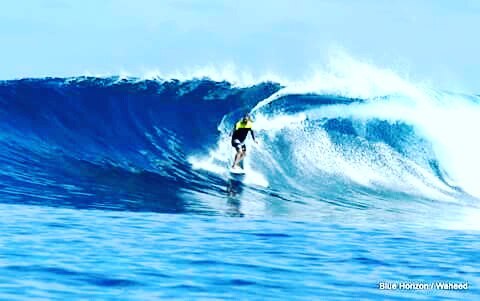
237, 171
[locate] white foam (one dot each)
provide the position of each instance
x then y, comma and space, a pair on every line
465, 218
345, 76
205, 164
254, 177
449, 122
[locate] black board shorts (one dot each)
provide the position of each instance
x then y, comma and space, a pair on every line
237, 144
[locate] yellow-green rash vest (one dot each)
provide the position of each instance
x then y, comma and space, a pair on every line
241, 130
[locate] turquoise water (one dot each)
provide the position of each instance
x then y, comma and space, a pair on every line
55, 253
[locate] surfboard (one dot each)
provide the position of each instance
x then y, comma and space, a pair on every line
237, 171
240, 170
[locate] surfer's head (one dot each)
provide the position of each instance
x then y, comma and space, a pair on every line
246, 118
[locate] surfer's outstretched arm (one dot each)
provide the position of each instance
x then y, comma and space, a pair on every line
253, 136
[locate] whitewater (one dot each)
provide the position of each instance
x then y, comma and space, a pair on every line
118, 187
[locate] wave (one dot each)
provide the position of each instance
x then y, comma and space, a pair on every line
163, 145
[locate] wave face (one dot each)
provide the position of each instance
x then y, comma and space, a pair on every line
164, 146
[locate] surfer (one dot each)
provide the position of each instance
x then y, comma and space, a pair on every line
239, 134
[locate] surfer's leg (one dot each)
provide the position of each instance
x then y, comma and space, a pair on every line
237, 145
243, 153
238, 157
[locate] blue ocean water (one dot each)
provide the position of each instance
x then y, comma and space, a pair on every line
117, 188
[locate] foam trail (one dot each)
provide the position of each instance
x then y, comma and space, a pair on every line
219, 160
